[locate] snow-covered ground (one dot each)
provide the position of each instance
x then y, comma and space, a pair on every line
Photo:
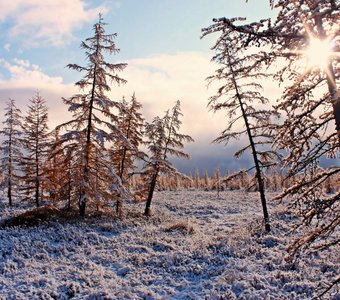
195, 246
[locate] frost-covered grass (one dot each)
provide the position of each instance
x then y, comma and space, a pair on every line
195, 246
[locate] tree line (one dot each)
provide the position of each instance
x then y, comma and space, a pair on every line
274, 182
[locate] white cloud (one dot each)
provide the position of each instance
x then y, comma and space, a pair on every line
7, 47
158, 82
38, 22
25, 79
161, 80
23, 74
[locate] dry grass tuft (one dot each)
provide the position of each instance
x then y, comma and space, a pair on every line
33, 217
182, 225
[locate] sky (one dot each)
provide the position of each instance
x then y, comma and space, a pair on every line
158, 39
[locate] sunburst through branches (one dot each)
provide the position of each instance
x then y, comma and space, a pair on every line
319, 53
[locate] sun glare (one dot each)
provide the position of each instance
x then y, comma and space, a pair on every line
319, 53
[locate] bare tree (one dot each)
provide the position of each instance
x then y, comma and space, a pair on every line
312, 106
11, 149
217, 181
163, 140
57, 169
36, 142
123, 154
310, 103
93, 120
240, 74
197, 179
206, 180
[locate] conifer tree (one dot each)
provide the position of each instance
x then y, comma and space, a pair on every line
56, 166
226, 175
164, 140
69, 189
312, 107
240, 95
36, 142
123, 155
206, 180
197, 179
10, 149
94, 120
310, 102
217, 181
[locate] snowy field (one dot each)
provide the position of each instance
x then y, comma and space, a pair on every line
195, 246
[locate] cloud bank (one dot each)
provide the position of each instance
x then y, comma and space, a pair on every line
46, 22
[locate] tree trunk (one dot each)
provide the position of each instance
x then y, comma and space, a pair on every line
69, 185
82, 200
150, 195
119, 203
82, 208
9, 193
335, 98
37, 181
253, 148
122, 166
263, 199
119, 206
258, 174
10, 174
83, 197
37, 186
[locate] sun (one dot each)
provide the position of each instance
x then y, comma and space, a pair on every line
319, 53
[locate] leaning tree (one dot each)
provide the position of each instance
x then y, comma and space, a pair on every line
302, 48
239, 94
163, 140
94, 120
308, 45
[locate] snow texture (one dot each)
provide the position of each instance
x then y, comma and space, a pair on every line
195, 246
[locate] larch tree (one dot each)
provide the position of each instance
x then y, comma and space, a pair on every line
197, 179
311, 104
240, 96
302, 47
217, 181
57, 170
11, 154
63, 172
206, 180
94, 119
69, 191
36, 143
123, 154
312, 107
163, 140
225, 183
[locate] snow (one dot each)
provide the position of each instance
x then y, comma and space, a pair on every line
195, 246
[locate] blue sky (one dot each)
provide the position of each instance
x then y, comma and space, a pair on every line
159, 39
